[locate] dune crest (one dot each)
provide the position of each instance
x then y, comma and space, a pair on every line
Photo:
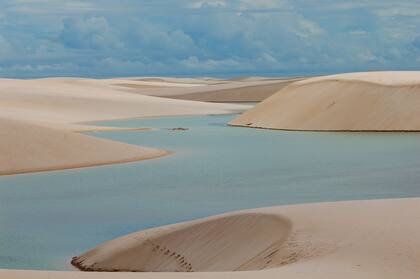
239, 241
375, 101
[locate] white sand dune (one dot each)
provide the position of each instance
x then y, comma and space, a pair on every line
27, 147
72, 100
224, 243
37, 118
373, 101
375, 239
237, 90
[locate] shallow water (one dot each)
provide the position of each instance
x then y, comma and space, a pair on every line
47, 218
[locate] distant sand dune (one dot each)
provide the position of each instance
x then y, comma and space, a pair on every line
235, 90
376, 101
251, 93
38, 118
73, 100
225, 243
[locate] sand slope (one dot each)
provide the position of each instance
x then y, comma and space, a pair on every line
376, 101
26, 147
225, 243
375, 239
71, 100
37, 118
236, 90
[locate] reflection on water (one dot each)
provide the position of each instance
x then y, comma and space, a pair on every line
46, 218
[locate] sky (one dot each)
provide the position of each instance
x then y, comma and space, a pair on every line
105, 38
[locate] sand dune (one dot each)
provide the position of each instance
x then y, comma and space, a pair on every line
37, 118
26, 147
375, 101
236, 90
72, 100
375, 239
213, 244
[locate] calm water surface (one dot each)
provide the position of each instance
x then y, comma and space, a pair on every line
47, 218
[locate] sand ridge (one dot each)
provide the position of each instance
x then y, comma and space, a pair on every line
327, 240
39, 118
379, 101
27, 147
211, 244
234, 90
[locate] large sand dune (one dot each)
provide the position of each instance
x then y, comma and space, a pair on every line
71, 100
225, 243
375, 101
375, 239
38, 119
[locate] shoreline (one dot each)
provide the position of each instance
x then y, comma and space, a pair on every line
159, 154
331, 236
367, 101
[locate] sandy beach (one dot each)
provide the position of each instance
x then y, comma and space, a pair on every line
371, 101
340, 239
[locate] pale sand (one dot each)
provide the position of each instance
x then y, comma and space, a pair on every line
27, 147
73, 100
356, 239
38, 119
375, 101
223, 243
236, 90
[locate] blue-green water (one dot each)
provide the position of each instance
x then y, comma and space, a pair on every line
47, 218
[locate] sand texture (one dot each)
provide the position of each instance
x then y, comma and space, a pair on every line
211, 90
375, 101
375, 239
213, 244
73, 100
26, 147
39, 118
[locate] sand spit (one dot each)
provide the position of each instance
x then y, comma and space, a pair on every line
237, 90
27, 147
375, 239
39, 118
213, 244
373, 101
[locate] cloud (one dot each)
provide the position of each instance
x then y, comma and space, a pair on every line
208, 4
416, 43
88, 33
171, 37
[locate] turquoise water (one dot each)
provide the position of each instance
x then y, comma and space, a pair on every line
47, 218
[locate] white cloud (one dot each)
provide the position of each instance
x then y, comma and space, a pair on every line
6, 48
166, 36
212, 4
261, 4
92, 32
310, 28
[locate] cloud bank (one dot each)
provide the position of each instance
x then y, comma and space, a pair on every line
100, 38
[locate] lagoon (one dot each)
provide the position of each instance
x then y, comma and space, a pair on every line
46, 218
